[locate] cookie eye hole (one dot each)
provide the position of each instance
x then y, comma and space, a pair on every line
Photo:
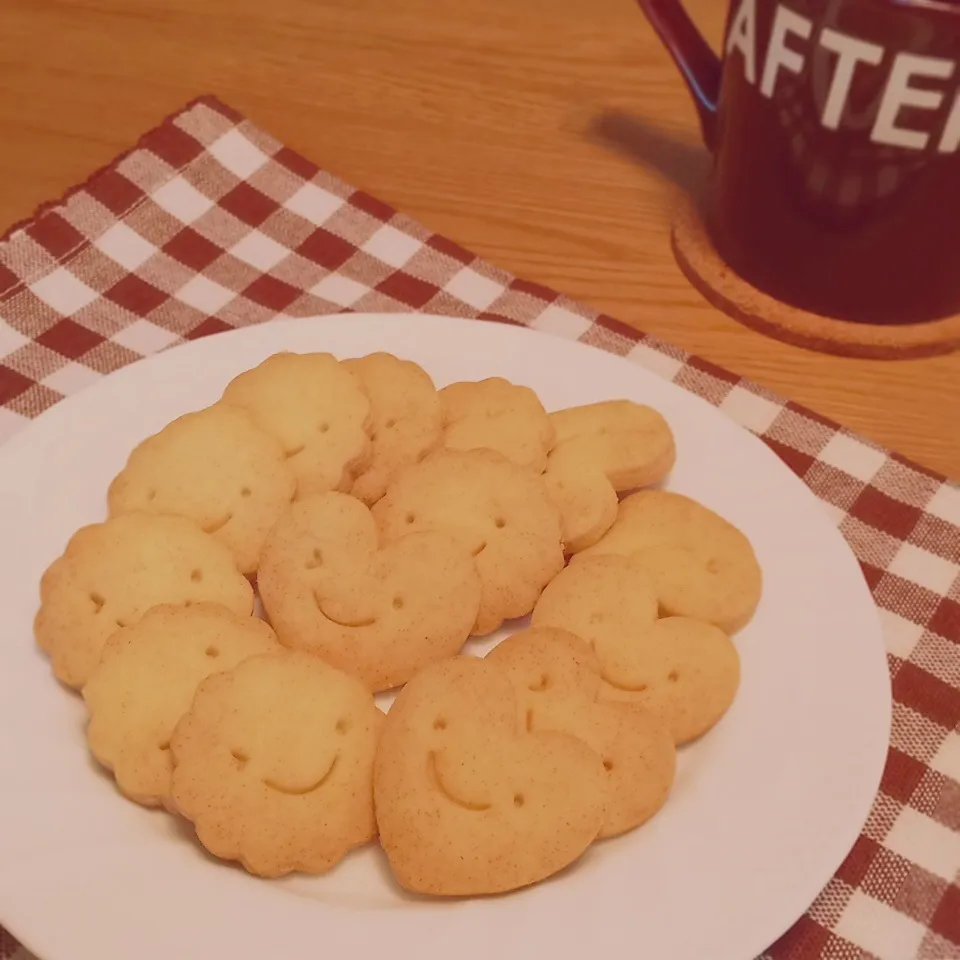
390, 424
343, 725
98, 601
439, 724
519, 800
499, 523
151, 495
316, 560
212, 653
120, 623
196, 576
398, 603
673, 676
410, 518
240, 756
608, 765
542, 684
246, 492
164, 746
324, 428
713, 565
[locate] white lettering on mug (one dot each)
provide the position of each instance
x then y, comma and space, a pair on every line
850, 53
899, 94
743, 37
951, 132
779, 55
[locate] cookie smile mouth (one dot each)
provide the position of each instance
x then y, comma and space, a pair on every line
218, 524
625, 687
303, 791
343, 621
433, 772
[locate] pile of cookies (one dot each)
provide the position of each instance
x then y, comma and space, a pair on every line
383, 523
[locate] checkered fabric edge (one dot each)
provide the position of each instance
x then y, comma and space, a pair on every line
210, 224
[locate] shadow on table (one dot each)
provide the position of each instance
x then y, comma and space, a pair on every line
684, 164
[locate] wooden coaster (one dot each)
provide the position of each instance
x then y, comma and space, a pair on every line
703, 267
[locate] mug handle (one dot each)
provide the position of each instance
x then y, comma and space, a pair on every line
700, 66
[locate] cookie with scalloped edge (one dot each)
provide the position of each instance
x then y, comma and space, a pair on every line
405, 419
316, 409
495, 414
273, 764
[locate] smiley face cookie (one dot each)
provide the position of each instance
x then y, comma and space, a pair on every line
317, 411
557, 679
405, 419
499, 512
146, 680
701, 565
379, 611
603, 449
216, 467
468, 802
273, 764
496, 414
111, 573
684, 671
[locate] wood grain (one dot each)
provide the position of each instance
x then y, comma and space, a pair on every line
550, 137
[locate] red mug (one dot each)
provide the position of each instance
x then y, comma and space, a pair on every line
835, 131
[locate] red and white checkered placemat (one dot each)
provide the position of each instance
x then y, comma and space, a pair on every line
209, 224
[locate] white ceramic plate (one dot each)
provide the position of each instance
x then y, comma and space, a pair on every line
763, 811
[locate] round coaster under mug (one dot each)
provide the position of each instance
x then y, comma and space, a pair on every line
703, 266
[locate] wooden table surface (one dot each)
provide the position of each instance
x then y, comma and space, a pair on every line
550, 136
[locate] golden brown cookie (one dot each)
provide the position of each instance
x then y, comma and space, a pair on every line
701, 565
217, 467
469, 803
273, 764
316, 409
684, 671
498, 511
496, 414
405, 419
603, 449
377, 611
112, 573
557, 679
146, 680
